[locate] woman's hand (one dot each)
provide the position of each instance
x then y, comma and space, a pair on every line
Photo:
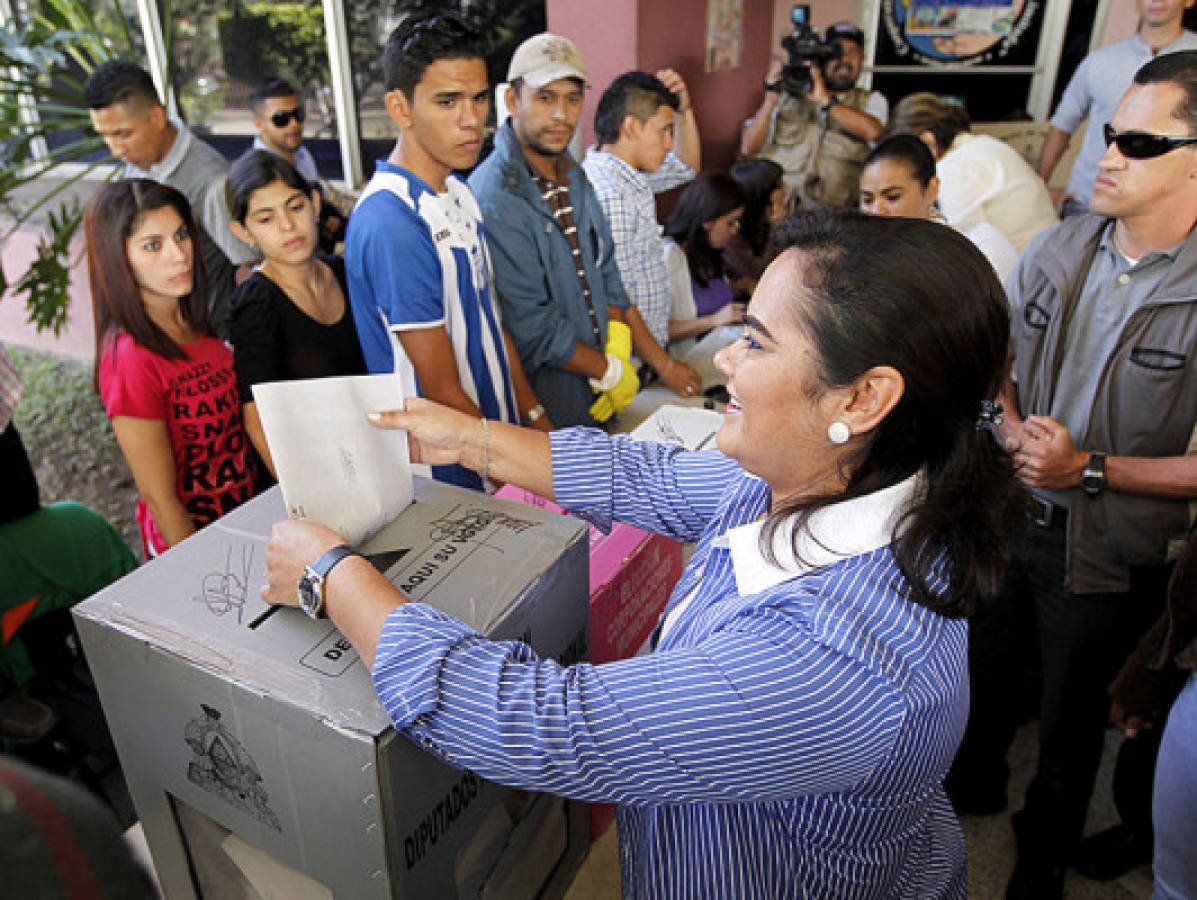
729, 314
292, 546
437, 435
682, 379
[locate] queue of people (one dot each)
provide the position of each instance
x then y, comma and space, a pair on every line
866, 582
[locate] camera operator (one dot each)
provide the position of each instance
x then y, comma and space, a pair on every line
819, 135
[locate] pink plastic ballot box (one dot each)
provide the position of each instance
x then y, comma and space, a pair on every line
632, 573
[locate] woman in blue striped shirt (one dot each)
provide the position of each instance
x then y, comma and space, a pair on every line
789, 734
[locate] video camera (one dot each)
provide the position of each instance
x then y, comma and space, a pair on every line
805, 49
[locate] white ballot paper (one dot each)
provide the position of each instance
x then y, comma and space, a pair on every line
333, 466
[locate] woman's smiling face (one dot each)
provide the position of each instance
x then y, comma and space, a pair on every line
775, 425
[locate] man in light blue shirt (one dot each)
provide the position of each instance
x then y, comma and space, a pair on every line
1099, 83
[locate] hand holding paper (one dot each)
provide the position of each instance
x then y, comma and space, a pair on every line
334, 468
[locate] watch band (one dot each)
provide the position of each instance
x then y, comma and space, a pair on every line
826, 107
1093, 478
315, 576
773, 87
329, 558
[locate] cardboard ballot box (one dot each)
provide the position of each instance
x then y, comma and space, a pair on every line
253, 742
632, 574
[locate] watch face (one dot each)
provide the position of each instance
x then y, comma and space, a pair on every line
309, 595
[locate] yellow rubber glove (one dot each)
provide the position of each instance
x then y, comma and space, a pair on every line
624, 392
619, 341
602, 409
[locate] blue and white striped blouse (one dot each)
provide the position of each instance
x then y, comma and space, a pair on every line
789, 742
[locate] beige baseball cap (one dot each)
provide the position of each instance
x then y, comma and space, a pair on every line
544, 58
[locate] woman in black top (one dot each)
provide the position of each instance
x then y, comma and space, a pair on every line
290, 319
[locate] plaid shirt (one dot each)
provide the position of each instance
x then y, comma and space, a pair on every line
626, 196
11, 389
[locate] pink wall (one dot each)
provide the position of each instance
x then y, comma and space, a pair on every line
607, 43
651, 35
1122, 21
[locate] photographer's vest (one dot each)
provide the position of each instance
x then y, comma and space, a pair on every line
822, 162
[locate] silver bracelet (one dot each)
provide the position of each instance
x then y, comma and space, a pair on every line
485, 451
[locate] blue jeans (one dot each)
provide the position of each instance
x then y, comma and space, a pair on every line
1175, 812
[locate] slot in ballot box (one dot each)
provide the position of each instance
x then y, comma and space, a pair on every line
254, 745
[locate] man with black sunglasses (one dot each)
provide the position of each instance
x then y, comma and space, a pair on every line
279, 116
1096, 88
1100, 415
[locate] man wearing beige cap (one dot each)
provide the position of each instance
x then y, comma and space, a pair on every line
563, 302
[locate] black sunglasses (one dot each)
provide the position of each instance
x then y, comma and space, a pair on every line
283, 116
1141, 145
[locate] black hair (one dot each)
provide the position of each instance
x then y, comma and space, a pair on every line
944, 326
636, 94
424, 38
119, 81
924, 111
257, 169
758, 177
270, 89
1180, 69
908, 149
706, 198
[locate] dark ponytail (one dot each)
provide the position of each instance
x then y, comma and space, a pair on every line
943, 324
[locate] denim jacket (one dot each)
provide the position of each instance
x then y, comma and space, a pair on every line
536, 277
1145, 405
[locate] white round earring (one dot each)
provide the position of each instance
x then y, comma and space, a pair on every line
838, 432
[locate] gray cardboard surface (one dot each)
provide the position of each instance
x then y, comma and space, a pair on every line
266, 722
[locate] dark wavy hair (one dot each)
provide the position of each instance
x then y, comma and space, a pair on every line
424, 38
113, 214
759, 178
257, 169
705, 199
634, 93
943, 325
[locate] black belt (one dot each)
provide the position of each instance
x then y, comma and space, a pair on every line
1046, 514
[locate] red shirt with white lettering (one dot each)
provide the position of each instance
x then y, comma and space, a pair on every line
197, 398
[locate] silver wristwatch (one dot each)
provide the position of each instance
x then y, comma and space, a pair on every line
311, 583
1093, 478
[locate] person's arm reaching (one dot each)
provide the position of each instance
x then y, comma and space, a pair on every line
680, 378
431, 354
525, 397
1055, 143
756, 130
856, 122
146, 446
686, 142
1048, 457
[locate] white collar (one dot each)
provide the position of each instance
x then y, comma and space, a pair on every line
833, 533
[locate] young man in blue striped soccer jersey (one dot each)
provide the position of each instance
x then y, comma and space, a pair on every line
419, 272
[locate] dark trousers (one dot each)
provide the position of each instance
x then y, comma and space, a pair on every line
1077, 642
